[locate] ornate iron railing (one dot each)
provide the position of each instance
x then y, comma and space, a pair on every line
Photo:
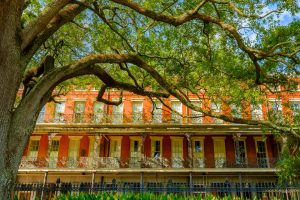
144, 162
117, 118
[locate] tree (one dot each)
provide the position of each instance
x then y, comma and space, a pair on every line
229, 51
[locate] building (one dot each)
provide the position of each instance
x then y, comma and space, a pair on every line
79, 140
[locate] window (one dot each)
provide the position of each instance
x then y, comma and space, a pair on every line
115, 148
53, 153
240, 153
176, 106
275, 105
295, 107
261, 154
59, 111
79, 111
156, 147
33, 148
117, 117
236, 111
219, 151
176, 146
137, 111
157, 112
94, 146
98, 111
135, 151
198, 152
41, 115
256, 112
74, 145
216, 107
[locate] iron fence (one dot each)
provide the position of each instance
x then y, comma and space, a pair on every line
267, 190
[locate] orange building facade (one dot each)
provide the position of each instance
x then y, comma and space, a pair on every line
82, 140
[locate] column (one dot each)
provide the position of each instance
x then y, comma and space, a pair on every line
190, 151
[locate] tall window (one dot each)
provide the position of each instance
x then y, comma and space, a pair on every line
59, 112
74, 145
33, 148
261, 154
137, 111
176, 106
117, 117
177, 152
41, 116
198, 153
156, 148
79, 111
157, 112
216, 107
135, 148
98, 111
115, 148
220, 153
256, 112
53, 153
240, 153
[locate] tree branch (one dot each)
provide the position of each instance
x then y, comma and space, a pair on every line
64, 16
37, 25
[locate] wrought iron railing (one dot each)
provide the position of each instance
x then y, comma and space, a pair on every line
117, 118
144, 162
261, 190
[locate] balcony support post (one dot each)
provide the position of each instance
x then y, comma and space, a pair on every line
241, 186
44, 184
190, 151
191, 183
142, 182
143, 150
93, 181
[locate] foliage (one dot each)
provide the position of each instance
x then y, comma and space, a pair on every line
142, 196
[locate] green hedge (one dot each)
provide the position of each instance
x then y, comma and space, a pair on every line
141, 196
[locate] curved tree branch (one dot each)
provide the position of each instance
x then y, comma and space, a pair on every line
37, 25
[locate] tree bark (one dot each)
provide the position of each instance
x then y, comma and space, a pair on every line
11, 74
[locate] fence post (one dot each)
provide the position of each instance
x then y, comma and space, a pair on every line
44, 183
191, 183
142, 182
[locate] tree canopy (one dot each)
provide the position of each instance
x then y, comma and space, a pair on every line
234, 52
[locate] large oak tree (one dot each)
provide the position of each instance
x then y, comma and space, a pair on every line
234, 52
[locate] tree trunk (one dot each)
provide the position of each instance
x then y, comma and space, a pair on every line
11, 74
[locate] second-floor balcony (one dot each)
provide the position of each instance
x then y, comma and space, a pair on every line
145, 162
117, 118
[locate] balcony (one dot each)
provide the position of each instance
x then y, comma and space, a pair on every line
116, 118
145, 162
